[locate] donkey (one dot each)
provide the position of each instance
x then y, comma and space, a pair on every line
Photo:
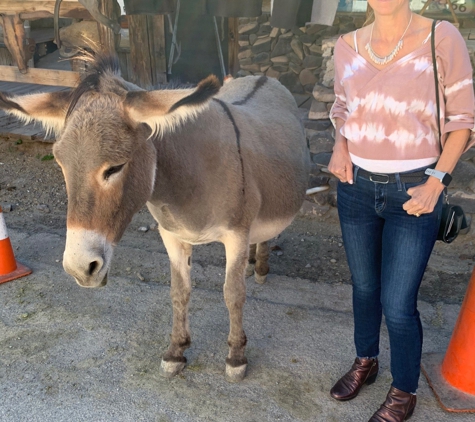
227, 164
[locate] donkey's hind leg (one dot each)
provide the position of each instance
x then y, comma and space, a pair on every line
262, 262
251, 262
179, 254
237, 252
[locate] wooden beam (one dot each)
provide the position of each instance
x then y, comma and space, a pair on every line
69, 9
40, 76
140, 55
158, 48
108, 39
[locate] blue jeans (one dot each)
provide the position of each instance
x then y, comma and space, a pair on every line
387, 252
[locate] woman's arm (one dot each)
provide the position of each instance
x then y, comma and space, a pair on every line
424, 197
340, 164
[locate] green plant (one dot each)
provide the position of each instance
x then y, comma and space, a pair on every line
47, 157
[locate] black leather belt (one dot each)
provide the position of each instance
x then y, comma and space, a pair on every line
412, 177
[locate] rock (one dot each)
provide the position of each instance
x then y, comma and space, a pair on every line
322, 159
312, 62
318, 110
465, 200
275, 32
253, 68
295, 68
281, 68
143, 229
317, 124
291, 81
249, 28
245, 62
7, 207
261, 58
261, 45
308, 39
307, 77
242, 73
323, 94
294, 58
321, 142
463, 175
264, 30
43, 208
265, 68
272, 73
297, 48
315, 50
282, 47
312, 209
308, 265
297, 31
140, 277
469, 155
245, 54
315, 28
280, 59
252, 38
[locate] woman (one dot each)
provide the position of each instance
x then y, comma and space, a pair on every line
389, 207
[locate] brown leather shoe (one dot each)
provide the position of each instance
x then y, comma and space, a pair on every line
398, 407
363, 371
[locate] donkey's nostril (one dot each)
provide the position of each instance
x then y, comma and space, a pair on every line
92, 267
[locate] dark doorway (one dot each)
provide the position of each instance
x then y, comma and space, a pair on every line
199, 52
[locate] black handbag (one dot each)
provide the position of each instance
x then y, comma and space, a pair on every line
453, 218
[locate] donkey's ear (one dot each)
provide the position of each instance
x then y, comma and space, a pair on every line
48, 108
163, 110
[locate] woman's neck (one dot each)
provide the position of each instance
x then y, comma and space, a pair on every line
389, 28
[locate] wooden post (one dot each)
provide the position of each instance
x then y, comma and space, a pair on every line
108, 39
147, 50
233, 46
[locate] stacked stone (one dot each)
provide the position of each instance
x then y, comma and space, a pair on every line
294, 57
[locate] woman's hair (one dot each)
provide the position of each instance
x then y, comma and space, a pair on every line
369, 16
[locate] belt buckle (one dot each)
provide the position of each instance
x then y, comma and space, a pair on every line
384, 182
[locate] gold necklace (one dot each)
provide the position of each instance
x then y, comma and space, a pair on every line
386, 59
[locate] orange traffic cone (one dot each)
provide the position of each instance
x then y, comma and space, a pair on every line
453, 378
9, 268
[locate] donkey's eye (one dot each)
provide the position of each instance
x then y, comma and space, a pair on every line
112, 170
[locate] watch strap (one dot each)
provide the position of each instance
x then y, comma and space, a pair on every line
445, 178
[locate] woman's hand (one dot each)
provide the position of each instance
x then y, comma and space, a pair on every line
423, 197
340, 164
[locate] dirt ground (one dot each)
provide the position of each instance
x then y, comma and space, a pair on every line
33, 195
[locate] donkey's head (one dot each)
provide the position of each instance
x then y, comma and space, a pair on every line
106, 151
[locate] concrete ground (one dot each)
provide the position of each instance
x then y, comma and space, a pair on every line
74, 354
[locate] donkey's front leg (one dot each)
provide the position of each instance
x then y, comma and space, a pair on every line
237, 250
179, 254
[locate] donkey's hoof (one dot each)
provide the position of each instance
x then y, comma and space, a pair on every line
170, 369
250, 270
260, 279
235, 373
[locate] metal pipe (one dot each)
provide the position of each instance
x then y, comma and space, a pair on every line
220, 51
173, 46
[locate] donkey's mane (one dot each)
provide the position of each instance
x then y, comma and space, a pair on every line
101, 65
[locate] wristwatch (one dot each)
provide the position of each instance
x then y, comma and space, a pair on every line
445, 178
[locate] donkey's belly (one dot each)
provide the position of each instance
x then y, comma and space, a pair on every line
265, 230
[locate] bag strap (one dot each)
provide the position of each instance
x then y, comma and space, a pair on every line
434, 62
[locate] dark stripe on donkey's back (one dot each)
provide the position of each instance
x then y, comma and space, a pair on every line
259, 84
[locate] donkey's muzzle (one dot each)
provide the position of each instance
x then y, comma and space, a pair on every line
87, 257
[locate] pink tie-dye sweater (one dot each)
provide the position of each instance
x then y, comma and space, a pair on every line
390, 115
